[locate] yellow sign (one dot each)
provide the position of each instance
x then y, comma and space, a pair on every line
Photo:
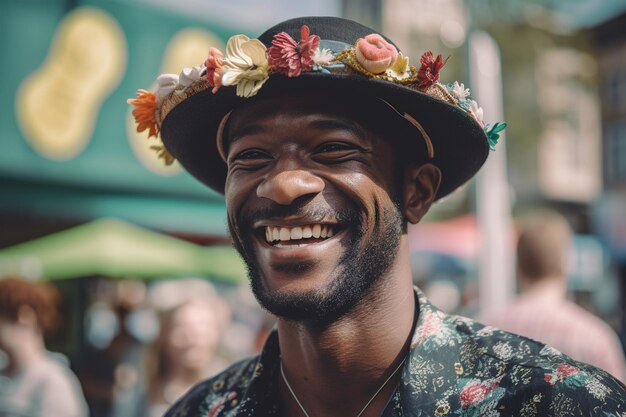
188, 48
57, 106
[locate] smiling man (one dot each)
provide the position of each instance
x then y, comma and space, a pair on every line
326, 142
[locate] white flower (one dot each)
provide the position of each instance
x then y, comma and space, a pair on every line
322, 56
476, 111
245, 65
189, 75
596, 388
166, 83
503, 350
549, 351
459, 91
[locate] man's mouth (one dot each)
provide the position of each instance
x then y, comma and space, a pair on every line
298, 235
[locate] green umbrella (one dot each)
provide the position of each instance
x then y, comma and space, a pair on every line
113, 248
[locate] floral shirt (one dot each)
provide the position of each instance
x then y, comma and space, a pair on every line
456, 367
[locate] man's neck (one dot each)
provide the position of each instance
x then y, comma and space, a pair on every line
337, 369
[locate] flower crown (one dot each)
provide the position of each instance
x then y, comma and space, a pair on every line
247, 64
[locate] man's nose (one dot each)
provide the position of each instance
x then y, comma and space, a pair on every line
286, 186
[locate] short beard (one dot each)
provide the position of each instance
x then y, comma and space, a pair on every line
359, 271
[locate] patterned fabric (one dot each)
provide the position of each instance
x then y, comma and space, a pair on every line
456, 367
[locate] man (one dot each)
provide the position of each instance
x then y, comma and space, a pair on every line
324, 148
542, 311
35, 382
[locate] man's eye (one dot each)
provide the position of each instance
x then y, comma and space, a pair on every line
252, 154
333, 147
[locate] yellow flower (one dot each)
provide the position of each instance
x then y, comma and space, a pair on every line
399, 70
245, 65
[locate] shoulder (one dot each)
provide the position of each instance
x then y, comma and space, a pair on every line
61, 392
521, 374
216, 391
55, 371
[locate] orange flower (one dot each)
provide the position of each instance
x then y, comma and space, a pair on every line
144, 112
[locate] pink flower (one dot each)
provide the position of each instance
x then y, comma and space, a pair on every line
431, 327
375, 54
287, 57
428, 73
476, 391
214, 70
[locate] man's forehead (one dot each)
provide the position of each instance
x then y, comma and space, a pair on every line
311, 111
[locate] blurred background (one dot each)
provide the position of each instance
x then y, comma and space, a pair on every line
127, 241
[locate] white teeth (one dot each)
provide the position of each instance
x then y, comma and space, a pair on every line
274, 234
296, 233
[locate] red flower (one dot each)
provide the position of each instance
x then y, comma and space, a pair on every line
550, 378
214, 70
563, 371
290, 58
428, 73
219, 406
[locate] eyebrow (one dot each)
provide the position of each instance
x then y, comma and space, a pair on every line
245, 131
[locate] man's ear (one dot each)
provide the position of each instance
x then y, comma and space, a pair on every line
421, 183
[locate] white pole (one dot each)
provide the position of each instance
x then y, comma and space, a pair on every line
493, 202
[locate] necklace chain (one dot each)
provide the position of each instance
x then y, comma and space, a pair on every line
295, 397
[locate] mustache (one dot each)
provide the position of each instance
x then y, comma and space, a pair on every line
347, 216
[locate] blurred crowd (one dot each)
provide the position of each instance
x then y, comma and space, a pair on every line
143, 345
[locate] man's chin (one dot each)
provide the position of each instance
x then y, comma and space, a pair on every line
304, 307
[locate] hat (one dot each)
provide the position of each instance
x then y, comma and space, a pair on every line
329, 54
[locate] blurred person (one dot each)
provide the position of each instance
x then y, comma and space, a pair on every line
35, 382
326, 143
111, 374
184, 353
542, 311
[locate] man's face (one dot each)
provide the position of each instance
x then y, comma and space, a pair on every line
311, 206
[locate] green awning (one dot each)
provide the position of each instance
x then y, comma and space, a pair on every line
113, 248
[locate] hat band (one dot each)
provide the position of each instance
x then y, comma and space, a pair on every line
220, 134
429, 143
